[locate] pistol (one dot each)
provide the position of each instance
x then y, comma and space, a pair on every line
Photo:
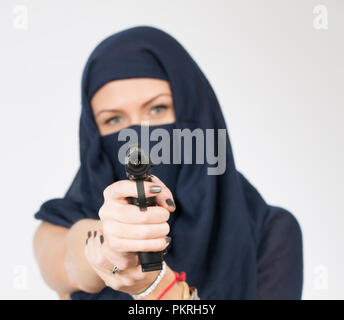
137, 167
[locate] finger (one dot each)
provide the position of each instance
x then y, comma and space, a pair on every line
89, 234
127, 188
136, 231
122, 278
101, 260
132, 277
95, 256
129, 245
111, 280
89, 249
165, 197
123, 261
131, 214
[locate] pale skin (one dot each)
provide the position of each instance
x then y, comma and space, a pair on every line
67, 261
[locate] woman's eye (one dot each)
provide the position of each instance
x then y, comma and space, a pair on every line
158, 109
114, 120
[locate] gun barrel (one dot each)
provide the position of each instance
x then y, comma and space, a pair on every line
137, 163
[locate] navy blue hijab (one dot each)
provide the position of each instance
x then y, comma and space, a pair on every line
218, 224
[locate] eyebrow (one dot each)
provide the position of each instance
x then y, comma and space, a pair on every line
143, 105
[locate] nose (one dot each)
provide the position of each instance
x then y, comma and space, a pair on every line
135, 119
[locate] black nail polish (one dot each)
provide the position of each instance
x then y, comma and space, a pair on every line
170, 203
155, 189
86, 241
95, 234
101, 238
89, 233
168, 239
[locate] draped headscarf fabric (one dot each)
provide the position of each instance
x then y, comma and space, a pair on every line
218, 224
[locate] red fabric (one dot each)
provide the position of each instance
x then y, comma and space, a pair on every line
179, 277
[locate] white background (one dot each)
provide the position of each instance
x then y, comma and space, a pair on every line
279, 81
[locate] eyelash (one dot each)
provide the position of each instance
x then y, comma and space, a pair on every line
160, 106
155, 107
109, 120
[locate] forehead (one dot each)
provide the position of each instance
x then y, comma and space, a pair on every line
127, 91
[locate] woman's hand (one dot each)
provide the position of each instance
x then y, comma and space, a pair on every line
125, 230
80, 274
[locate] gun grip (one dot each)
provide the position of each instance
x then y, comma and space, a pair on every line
149, 202
150, 261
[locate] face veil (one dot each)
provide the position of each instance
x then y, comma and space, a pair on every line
219, 218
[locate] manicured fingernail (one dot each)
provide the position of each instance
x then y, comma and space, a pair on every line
101, 239
94, 234
89, 233
170, 203
155, 189
86, 240
168, 239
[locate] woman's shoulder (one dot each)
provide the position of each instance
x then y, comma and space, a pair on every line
280, 220
282, 235
280, 256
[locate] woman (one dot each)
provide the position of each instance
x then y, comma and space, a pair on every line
228, 242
